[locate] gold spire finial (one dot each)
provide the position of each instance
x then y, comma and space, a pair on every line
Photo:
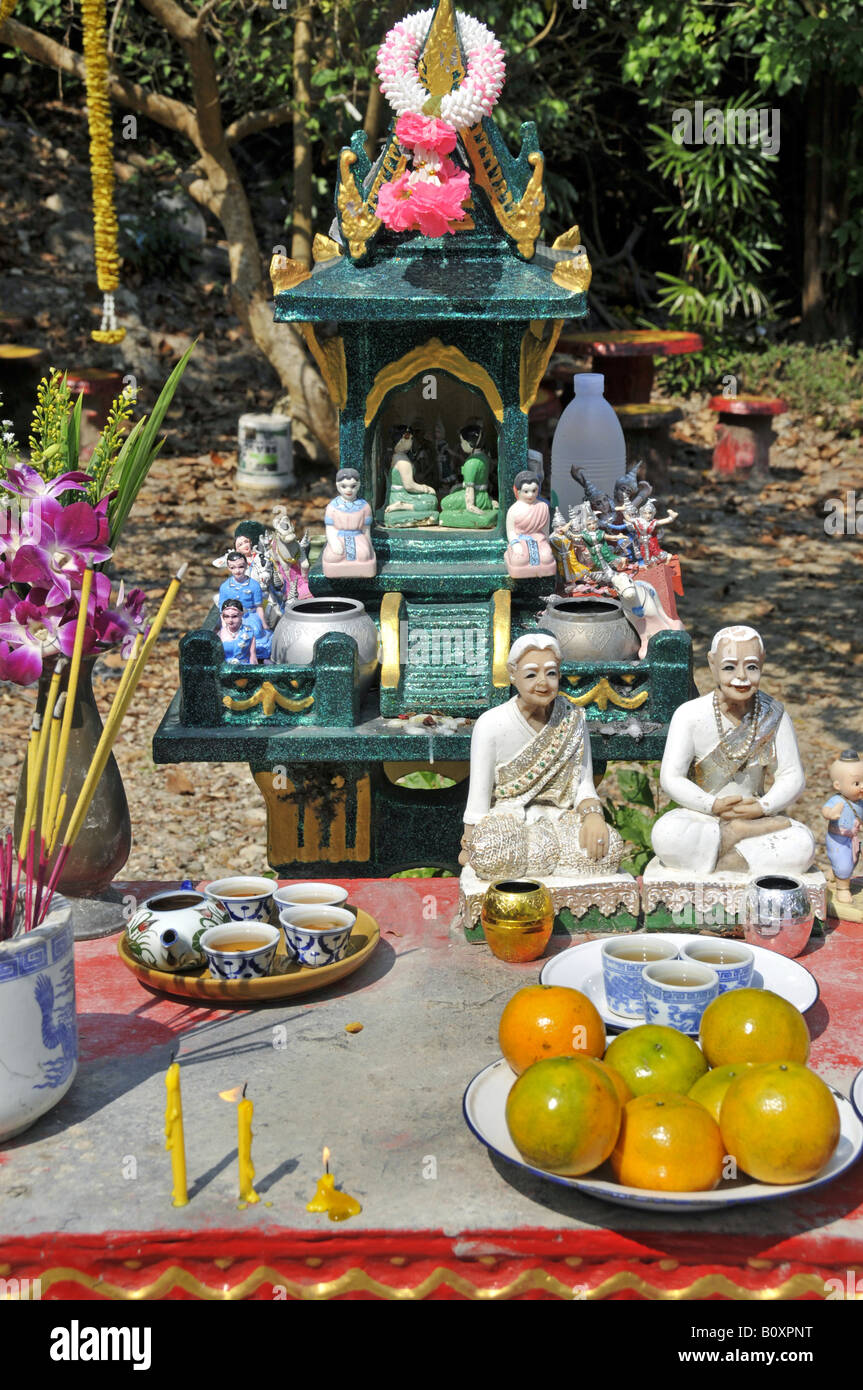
441, 67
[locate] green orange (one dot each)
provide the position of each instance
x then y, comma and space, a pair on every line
780, 1122
709, 1090
753, 1025
563, 1115
654, 1058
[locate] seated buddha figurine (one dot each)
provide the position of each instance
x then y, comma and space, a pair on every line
409, 502
471, 506
532, 807
529, 554
718, 753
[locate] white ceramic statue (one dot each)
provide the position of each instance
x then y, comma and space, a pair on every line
718, 751
643, 608
532, 807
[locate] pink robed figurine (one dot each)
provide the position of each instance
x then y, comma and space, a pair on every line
528, 521
348, 518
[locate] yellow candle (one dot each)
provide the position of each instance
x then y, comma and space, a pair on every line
245, 1111
339, 1206
174, 1139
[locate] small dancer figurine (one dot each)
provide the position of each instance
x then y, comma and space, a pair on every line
348, 552
646, 524
409, 502
471, 506
238, 638
600, 502
528, 555
844, 814
567, 551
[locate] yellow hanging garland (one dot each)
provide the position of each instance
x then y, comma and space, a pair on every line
6, 8
101, 167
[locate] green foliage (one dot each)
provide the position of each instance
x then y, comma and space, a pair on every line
49, 439
133, 463
423, 873
425, 781
633, 824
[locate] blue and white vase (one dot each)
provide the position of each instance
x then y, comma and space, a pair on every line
38, 1020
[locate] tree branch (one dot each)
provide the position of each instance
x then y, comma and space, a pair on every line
205, 82
254, 121
165, 111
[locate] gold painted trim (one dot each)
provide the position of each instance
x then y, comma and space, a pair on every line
603, 694
390, 654
329, 353
501, 627
535, 355
267, 696
286, 273
441, 67
574, 274
520, 220
430, 354
358, 1281
324, 249
358, 220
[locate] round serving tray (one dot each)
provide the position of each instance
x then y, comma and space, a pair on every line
287, 978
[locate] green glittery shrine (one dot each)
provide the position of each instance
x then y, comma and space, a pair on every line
470, 308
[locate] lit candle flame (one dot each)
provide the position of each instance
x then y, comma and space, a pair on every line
326, 1159
234, 1095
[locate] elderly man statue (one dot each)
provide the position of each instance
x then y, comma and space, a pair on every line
718, 753
532, 807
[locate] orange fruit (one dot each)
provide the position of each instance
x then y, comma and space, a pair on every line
623, 1092
780, 1122
709, 1090
753, 1025
668, 1142
563, 1115
653, 1058
542, 1021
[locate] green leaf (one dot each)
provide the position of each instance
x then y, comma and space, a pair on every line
635, 787
141, 448
73, 435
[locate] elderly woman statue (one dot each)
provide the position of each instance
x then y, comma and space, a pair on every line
532, 807
718, 751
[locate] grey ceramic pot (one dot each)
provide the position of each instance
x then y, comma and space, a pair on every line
307, 619
590, 629
779, 915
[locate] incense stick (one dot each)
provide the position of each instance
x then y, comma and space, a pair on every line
53, 785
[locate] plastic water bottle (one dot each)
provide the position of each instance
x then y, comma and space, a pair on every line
588, 435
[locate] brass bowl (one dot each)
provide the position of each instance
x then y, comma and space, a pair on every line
517, 918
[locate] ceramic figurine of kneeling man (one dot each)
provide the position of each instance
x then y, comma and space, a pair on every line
717, 754
532, 807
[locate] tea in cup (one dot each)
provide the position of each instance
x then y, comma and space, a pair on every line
732, 961
310, 895
623, 961
317, 935
244, 898
676, 993
238, 951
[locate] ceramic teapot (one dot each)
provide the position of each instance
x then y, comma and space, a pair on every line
165, 933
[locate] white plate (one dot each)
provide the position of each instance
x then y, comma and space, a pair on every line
857, 1093
485, 1112
581, 968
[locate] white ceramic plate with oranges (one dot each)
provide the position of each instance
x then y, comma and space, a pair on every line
485, 1112
580, 967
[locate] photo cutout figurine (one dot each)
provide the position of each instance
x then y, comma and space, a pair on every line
409, 501
240, 585
348, 553
471, 507
532, 808
237, 637
844, 815
719, 750
528, 554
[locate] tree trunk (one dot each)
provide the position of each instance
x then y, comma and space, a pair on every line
301, 241
812, 297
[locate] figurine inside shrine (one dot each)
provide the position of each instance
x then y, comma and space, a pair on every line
240, 585
409, 501
237, 636
844, 815
718, 753
529, 554
532, 807
471, 506
348, 521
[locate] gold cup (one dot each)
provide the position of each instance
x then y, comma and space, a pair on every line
517, 918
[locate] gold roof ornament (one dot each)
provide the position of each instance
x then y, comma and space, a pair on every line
441, 67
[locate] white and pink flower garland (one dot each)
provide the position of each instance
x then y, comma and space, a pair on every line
433, 194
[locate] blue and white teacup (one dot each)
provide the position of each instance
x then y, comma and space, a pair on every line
245, 899
732, 961
676, 993
238, 951
623, 961
317, 935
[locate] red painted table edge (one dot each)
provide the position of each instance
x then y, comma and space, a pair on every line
748, 405
671, 346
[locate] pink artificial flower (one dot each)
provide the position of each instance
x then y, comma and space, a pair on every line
395, 205
435, 205
28, 482
70, 539
427, 131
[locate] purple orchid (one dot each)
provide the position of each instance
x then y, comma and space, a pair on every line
70, 538
26, 481
28, 633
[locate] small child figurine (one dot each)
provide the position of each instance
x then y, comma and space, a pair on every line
238, 638
844, 814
